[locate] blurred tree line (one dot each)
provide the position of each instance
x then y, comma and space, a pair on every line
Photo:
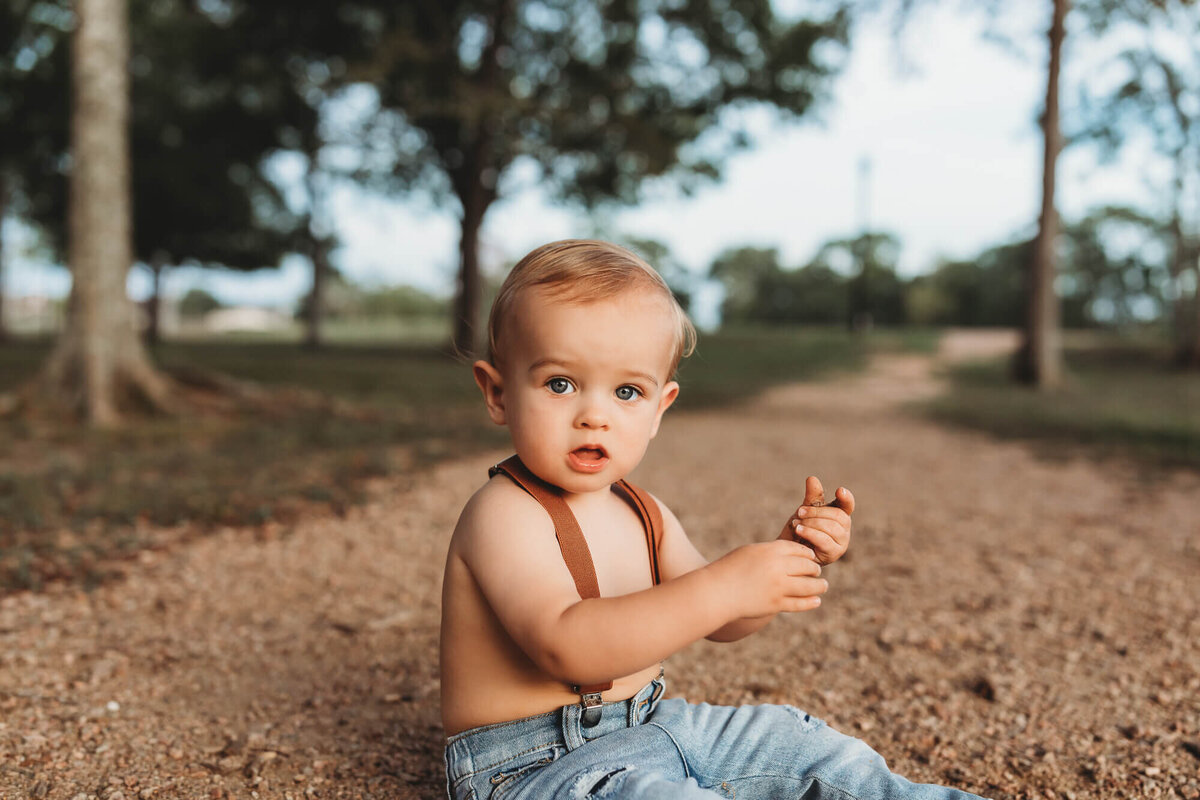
243, 119
344, 300
1113, 272
596, 97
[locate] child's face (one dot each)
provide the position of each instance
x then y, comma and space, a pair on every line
582, 386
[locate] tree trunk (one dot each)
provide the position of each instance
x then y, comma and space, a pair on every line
315, 313
99, 368
1187, 323
154, 303
1190, 355
476, 195
1039, 360
3, 211
467, 340
1185, 317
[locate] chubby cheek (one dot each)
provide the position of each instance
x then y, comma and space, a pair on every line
534, 424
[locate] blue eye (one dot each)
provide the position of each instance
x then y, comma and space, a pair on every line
628, 393
560, 386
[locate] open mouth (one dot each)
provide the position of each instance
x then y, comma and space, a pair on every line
589, 458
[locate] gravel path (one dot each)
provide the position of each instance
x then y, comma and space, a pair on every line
1021, 627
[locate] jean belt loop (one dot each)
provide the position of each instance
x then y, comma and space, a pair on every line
571, 731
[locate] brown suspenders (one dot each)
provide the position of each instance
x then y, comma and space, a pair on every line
575, 550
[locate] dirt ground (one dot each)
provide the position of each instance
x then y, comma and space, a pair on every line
1017, 626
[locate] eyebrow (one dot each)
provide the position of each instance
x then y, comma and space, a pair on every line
553, 362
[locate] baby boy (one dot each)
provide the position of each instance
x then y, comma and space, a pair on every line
566, 587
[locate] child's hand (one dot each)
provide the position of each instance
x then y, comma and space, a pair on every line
824, 528
769, 577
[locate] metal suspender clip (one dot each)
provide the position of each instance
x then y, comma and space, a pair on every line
593, 709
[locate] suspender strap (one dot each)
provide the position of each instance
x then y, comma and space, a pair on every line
575, 551
570, 538
652, 521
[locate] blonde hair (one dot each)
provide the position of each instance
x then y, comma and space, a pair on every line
580, 271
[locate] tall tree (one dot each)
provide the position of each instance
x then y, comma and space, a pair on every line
33, 120
1039, 358
1156, 96
209, 104
99, 364
208, 108
596, 96
317, 125
875, 294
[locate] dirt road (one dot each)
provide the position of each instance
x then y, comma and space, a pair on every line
1017, 626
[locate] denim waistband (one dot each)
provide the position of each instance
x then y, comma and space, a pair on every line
482, 748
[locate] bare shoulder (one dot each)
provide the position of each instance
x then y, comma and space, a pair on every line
498, 516
506, 541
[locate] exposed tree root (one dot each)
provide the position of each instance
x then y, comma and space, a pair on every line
60, 394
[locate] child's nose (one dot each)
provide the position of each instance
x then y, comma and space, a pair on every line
591, 415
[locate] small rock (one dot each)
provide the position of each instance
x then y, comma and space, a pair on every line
985, 688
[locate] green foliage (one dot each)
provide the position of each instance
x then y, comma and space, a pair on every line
207, 111
344, 301
1112, 274
1115, 269
599, 96
658, 255
71, 501
1150, 92
847, 276
985, 291
34, 114
404, 302
1121, 397
196, 303
595, 98
876, 294
739, 362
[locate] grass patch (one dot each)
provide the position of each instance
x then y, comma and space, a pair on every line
1119, 398
72, 500
20, 359
734, 365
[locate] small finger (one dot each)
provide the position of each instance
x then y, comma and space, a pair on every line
834, 527
810, 587
818, 540
804, 567
844, 499
806, 586
814, 493
798, 604
830, 512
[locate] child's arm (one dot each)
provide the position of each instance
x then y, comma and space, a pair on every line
825, 528
507, 542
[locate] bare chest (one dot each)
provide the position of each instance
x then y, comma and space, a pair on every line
617, 542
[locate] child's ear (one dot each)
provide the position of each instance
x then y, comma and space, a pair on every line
491, 384
670, 392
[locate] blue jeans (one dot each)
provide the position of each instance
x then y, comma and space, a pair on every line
673, 750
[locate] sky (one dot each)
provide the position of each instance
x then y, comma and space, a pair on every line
945, 119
